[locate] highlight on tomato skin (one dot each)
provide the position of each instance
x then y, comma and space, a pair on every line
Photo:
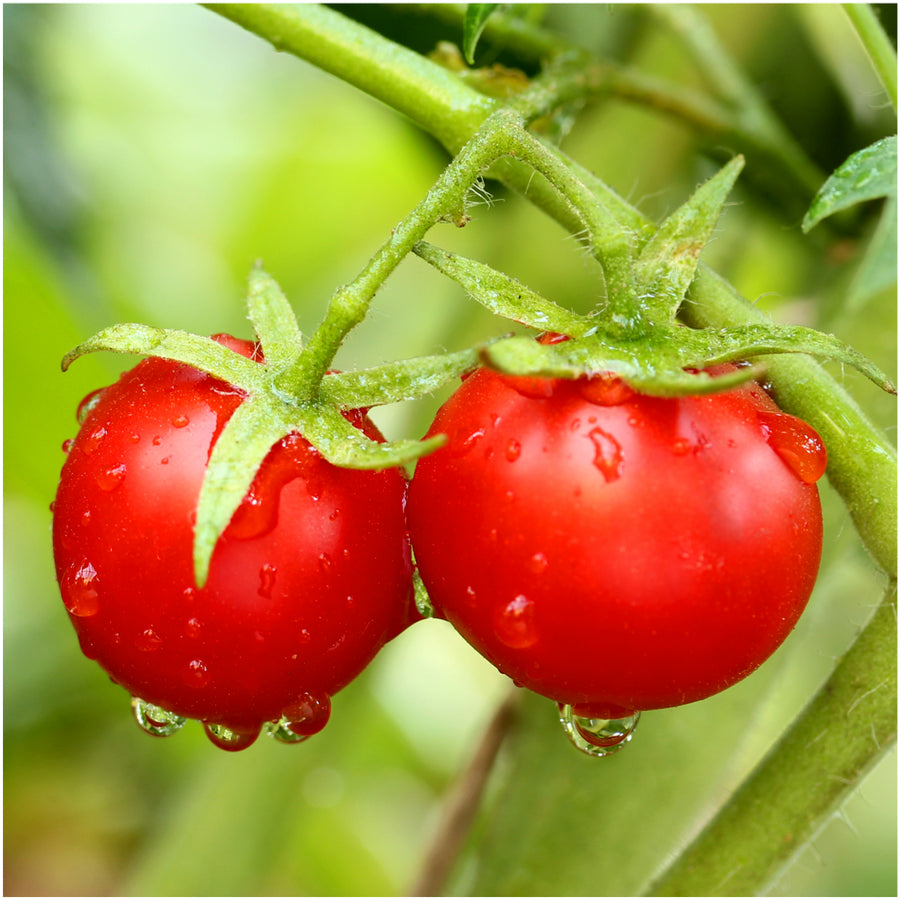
311, 578
612, 551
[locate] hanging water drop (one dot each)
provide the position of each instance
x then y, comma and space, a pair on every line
595, 736
796, 443
87, 404
154, 720
303, 718
228, 738
79, 589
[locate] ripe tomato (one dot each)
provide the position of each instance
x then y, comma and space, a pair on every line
310, 579
614, 551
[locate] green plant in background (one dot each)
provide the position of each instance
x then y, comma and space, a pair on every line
522, 830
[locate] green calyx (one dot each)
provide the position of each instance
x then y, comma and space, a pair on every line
635, 334
281, 400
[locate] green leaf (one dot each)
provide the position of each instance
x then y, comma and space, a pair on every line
273, 319
866, 175
180, 346
502, 295
244, 443
397, 381
343, 445
477, 15
667, 263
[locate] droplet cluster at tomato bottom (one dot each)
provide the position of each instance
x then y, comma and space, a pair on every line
311, 578
611, 551
617, 552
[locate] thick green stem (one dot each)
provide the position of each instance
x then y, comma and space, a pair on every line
430, 95
846, 728
878, 45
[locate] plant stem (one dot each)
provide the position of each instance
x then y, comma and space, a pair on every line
877, 44
432, 97
463, 803
846, 728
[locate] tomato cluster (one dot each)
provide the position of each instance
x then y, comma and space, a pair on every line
612, 551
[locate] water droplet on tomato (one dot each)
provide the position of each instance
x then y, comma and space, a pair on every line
514, 623
134, 438
154, 720
533, 388
796, 443
607, 454
67, 446
109, 479
88, 403
597, 736
266, 580
326, 563
301, 719
79, 590
229, 739
148, 641
254, 518
93, 440
681, 446
180, 421
197, 674
604, 389
513, 450
157, 440
538, 563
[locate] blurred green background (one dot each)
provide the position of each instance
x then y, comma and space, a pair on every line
151, 154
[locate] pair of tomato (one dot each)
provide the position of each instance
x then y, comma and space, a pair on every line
612, 551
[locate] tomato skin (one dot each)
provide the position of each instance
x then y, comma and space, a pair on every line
615, 551
309, 580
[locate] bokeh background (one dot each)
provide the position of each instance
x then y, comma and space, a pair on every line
151, 154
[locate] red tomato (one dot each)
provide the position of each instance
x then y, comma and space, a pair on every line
310, 579
615, 551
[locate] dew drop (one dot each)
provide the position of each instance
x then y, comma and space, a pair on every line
180, 421
266, 580
796, 443
326, 563
596, 736
154, 720
301, 719
514, 623
513, 450
254, 518
607, 454
228, 738
681, 446
197, 674
67, 446
533, 388
538, 563
157, 440
93, 440
79, 590
109, 479
604, 389
148, 641
88, 403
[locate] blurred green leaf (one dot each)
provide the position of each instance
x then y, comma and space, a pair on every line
866, 175
477, 15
